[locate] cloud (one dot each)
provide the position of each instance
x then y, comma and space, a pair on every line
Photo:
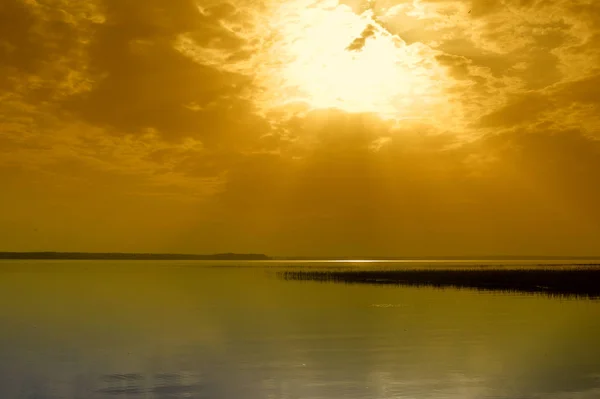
522, 109
555, 105
358, 43
42, 50
145, 81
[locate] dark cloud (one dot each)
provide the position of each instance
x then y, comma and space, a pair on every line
520, 109
586, 12
458, 66
482, 8
545, 70
527, 108
19, 48
151, 19
358, 43
521, 40
583, 91
144, 82
41, 47
125, 73
464, 48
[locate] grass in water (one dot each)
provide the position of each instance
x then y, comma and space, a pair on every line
579, 282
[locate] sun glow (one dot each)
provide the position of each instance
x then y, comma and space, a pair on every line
305, 55
327, 56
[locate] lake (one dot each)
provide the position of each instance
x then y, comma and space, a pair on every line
201, 329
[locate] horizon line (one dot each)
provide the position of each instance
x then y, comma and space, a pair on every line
9, 254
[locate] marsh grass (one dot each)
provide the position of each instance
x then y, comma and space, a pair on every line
581, 281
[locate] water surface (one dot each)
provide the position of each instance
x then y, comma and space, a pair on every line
160, 329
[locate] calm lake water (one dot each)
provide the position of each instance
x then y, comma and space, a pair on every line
120, 329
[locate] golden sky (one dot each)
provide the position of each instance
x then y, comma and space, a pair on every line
301, 127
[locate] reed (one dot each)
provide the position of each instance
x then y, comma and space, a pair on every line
579, 282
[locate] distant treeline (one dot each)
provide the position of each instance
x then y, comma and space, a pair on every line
580, 282
127, 256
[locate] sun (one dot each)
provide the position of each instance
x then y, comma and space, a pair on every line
324, 55
305, 55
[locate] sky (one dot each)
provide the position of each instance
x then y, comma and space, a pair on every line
301, 127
